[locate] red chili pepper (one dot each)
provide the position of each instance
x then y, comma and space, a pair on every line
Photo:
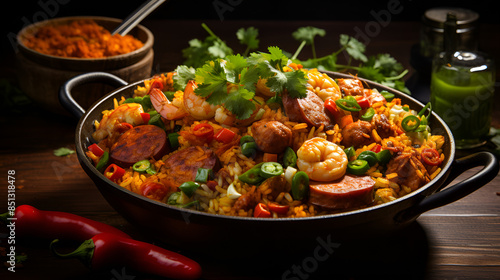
278, 208
261, 211
96, 150
145, 117
225, 135
122, 127
31, 222
204, 130
114, 172
154, 190
430, 156
106, 250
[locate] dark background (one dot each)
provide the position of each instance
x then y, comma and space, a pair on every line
19, 13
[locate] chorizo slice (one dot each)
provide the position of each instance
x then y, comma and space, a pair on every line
271, 136
182, 165
347, 192
310, 110
139, 143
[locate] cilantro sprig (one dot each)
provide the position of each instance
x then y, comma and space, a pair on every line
381, 68
231, 81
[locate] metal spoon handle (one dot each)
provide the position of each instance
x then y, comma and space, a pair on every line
137, 16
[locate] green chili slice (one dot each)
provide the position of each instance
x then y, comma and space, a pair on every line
141, 166
384, 157
188, 188
369, 156
252, 176
300, 185
103, 161
203, 175
249, 148
387, 95
156, 120
246, 139
270, 169
289, 158
173, 139
172, 199
151, 170
368, 115
350, 152
405, 124
427, 106
348, 104
358, 167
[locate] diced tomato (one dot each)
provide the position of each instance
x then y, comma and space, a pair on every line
225, 135
363, 102
280, 209
333, 109
96, 150
377, 148
211, 184
261, 211
114, 172
430, 157
154, 190
145, 117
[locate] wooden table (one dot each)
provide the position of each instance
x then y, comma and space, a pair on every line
457, 241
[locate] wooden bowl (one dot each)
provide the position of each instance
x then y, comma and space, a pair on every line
41, 75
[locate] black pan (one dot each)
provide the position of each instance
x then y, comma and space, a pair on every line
217, 234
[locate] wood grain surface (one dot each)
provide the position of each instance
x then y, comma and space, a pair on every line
457, 241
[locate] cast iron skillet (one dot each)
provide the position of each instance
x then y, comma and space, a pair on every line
192, 230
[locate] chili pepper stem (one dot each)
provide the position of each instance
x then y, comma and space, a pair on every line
4, 217
84, 252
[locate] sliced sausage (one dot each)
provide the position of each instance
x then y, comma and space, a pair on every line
347, 192
350, 86
271, 136
357, 134
182, 165
139, 143
310, 110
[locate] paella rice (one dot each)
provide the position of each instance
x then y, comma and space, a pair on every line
265, 165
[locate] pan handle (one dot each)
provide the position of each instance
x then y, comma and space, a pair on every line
66, 98
459, 190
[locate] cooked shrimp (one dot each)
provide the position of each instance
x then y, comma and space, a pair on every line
127, 112
197, 106
164, 107
324, 86
225, 117
263, 89
321, 159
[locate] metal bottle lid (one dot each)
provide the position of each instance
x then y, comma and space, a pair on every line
436, 17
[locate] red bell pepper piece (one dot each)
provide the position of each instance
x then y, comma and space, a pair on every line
145, 117
106, 250
114, 172
261, 211
333, 109
31, 222
225, 135
96, 150
377, 148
